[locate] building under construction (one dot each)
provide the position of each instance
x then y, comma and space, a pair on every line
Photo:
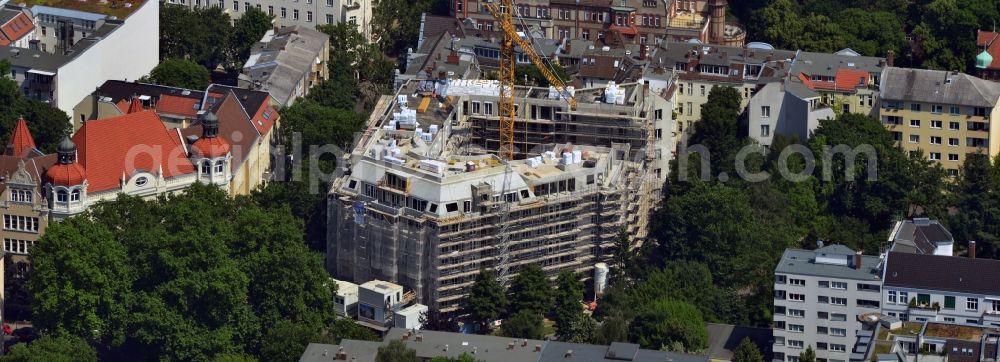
425, 195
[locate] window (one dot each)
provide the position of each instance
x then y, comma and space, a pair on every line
765, 111
937, 108
20, 223
765, 130
680, 108
953, 142
206, 167
779, 325
353, 20
823, 315
284, 13
972, 304
329, 3
702, 90
15, 246
980, 111
949, 302
329, 19
796, 297
822, 330
74, 195
914, 138
795, 344
309, 16
954, 110
822, 346
891, 297
949, 319
270, 10
972, 321
954, 126
838, 332
823, 299
796, 328
797, 282
896, 120
914, 123
690, 109
934, 156
995, 306
915, 107
838, 301
838, 317
838, 285
141, 181
797, 313
236, 6
488, 108
936, 124
952, 157
62, 196
838, 347
218, 166
295, 14
793, 358
924, 299
20, 195
780, 279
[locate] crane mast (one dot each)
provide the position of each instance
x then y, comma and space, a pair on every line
504, 14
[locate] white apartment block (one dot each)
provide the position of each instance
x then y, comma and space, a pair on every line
307, 13
818, 295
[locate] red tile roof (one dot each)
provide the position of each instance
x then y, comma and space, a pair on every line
122, 145
14, 29
235, 127
805, 80
210, 147
991, 41
66, 175
181, 106
850, 79
21, 141
123, 106
264, 118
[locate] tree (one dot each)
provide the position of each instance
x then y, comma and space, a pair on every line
568, 302
191, 276
286, 341
81, 283
396, 351
747, 351
717, 129
201, 34
464, 357
808, 355
179, 73
247, 31
529, 74
486, 300
582, 329
523, 324
530, 291
52, 349
670, 324
233, 358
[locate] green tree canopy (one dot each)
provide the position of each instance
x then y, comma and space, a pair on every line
808, 355
671, 325
202, 34
247, 31
523, 324
487, 300
187, 276
530, 291
396, 351
179, 73
568, 302
747, 351
52, 349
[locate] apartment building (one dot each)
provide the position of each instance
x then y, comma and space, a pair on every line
420, 205
306, 13
817, 86
614, 23
287, 63
946, 289
947, 115
22, 198
818, 295
74, 52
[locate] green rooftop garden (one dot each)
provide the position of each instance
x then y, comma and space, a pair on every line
119, 8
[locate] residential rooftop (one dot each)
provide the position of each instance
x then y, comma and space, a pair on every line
944, 273
833, 261
938, 86
920, 235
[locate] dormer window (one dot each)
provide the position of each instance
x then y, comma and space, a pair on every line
206, 167
141, 181
74, 196
20, 195
219, 166
62, 196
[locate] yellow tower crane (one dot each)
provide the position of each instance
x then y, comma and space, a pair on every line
504, 13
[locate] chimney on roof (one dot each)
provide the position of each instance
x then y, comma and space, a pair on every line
569, 353
642, 52
341, 355
857, 260
420, 337
890, 57
538, 348
524, 342
453, 57
972, 249
569, 46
